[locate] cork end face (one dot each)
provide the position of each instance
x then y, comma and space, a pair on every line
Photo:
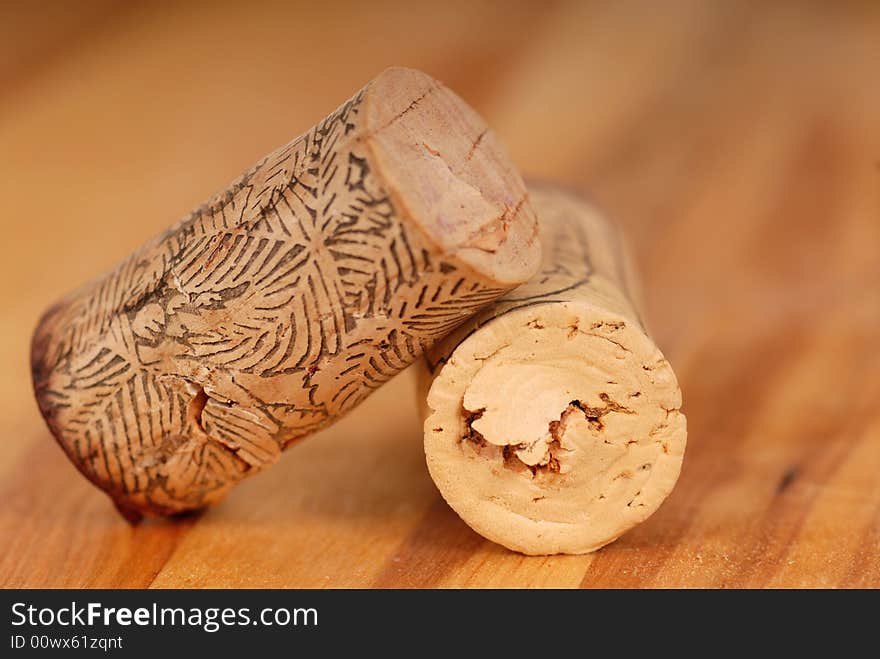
450, 173
555, 429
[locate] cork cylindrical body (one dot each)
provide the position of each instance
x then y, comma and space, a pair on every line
282, 302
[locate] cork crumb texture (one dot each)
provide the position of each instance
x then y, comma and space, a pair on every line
282, 302
554, 422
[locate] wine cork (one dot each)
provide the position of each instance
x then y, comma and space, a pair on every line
282, 302
553, 421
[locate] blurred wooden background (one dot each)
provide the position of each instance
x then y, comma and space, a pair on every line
737, 143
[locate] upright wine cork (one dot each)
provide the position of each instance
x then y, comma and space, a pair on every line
553, 422
284, 301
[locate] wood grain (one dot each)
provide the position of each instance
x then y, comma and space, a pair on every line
736, 144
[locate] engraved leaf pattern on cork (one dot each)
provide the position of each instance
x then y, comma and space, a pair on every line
264, 315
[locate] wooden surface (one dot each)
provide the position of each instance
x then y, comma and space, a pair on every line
737, 144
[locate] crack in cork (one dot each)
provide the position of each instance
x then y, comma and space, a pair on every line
500, 224
476, 144
551, 463
412, 106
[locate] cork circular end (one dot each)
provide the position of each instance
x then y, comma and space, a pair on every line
447, 171
555, 429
